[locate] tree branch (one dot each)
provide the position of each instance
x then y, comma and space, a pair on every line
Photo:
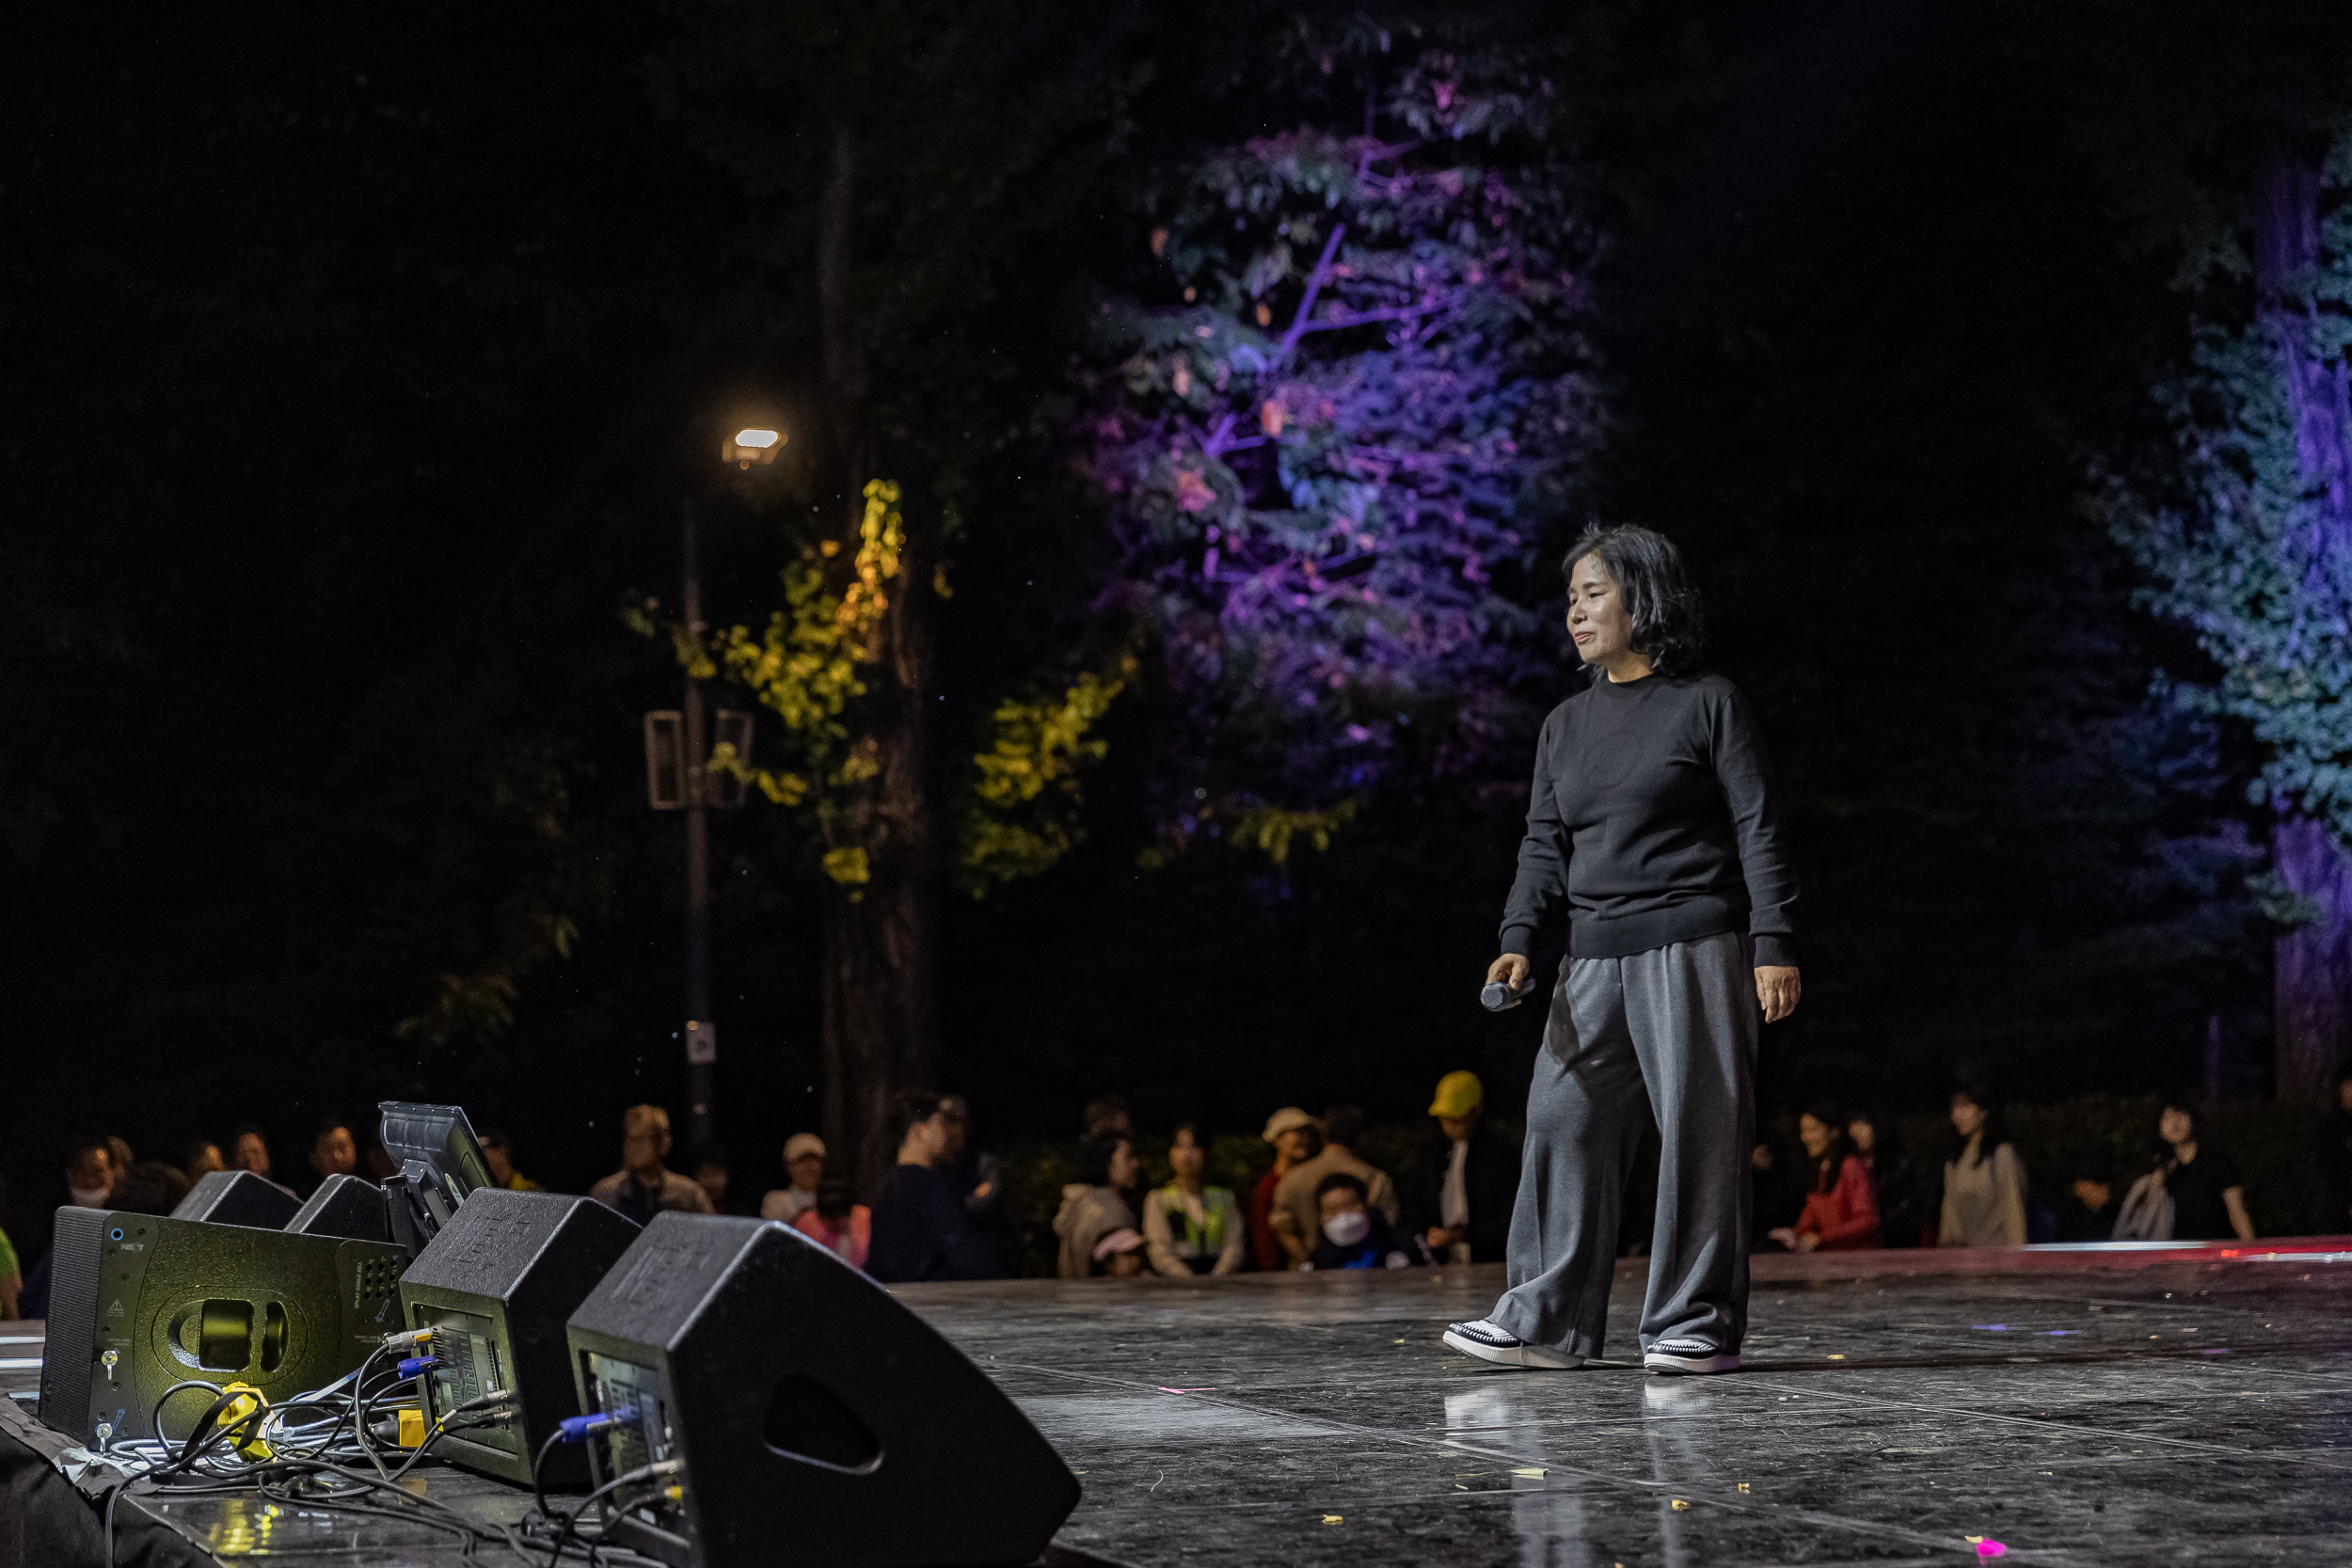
1315, 280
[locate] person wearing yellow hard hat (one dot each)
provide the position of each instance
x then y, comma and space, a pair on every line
1466, 1181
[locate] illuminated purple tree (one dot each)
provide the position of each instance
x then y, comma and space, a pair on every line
1338, 447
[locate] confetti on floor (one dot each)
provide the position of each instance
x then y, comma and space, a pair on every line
1334, 1519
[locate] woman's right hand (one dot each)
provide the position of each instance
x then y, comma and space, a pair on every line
1511, 967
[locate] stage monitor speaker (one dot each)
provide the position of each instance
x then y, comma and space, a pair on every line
140, 1302
814, 1417
496, 1286
238, 1198
346, 1206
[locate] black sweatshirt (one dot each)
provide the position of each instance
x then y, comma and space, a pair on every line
1654, 818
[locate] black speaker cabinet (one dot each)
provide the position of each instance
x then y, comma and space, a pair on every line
140, 1302
496, 1286
238, 1198
817, 1420
345, 1205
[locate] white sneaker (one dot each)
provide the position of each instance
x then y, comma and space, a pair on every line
1490, 1341
1688, 1358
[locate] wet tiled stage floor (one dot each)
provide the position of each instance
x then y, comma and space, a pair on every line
2086, 1409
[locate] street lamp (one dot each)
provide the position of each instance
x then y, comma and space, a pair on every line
677, 778
750, 446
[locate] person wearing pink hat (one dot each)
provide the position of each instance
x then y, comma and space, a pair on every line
1120, 1254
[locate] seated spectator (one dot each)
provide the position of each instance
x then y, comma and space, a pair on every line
376, 1160
2087, 1213
843, 1229
497, 1152
248, 1150
1466, 1181
1122, 1255
90, 1175
149, 1187
2332, 1145
1877, 1143
1189, 1226
976, 1176
1095, 1205
710, 1175
643, 1186
90, 1172
1296, 1138
201, 1159
333, 1152
805, 1167
1984, 1184
2208, 1196
1297, 1218
919, 1229
1350, 1233
1775, 1198
1840, 1213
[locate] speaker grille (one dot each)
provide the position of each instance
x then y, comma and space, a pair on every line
71, 1348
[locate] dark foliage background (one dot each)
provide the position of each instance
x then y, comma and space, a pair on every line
356, 365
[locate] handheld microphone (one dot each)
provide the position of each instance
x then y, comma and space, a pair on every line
1497, 996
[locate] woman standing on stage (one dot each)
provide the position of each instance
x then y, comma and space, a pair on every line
1654, 822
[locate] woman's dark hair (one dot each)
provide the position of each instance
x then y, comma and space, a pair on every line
149, 1187
1094, 1157
1887, 1135
1833, 1160
1995, 1134
1669, 618
1342, 1179
908, 1106
834, 1198
2181, 1100
1199, 1140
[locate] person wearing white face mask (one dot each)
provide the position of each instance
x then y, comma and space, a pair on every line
90, 1173
89, 1181
1354, 1235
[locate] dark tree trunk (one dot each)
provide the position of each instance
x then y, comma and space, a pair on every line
878, 935
2313, 1000
2314, 997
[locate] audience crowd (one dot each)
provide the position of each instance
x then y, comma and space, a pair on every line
1319, 1205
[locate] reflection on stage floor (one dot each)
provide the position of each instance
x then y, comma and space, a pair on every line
2093, 1409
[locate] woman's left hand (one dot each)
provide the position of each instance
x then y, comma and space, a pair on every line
1777, 989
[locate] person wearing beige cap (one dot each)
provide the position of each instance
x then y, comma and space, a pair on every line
804, 1162
1298, 1214
1295, 1136
1461, 1199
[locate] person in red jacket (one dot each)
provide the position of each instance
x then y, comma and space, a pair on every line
1840, 1213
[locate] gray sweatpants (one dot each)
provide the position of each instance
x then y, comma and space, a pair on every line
1680, 1021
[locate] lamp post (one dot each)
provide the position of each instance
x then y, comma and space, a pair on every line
677, 777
